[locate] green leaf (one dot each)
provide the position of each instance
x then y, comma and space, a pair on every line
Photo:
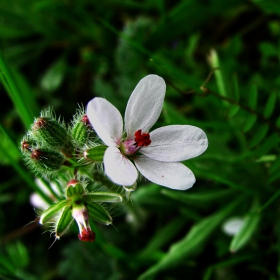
268, 144
233, 110
53, 78
253, 97
275, 166
197, 198
259, 136
236, 92
162, 236
278, 122
191, 243
215, 63
8, 81
251, 222
249, 122
273, 176
269, 106
102, 197
266, 158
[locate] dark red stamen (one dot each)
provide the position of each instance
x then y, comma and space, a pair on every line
142, 139
87, 235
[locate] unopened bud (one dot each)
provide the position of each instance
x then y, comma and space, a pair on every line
46, 159
51, 132
74, 189
79, 132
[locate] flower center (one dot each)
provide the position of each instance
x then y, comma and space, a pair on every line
131, 146
142, 139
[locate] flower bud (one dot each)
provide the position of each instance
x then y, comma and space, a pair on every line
46, 160
79, 132
74, 189
51, 132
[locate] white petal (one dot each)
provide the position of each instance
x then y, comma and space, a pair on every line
37, 201
173, 175
118, 168
176, 143
106, 120
145, 104
233, 225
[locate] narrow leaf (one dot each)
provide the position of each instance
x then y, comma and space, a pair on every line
215, 63
249, 122
269, 106
233, 110
259, 136
236, 93
269, 143
251, 222
253, 97
275, 166
191, 243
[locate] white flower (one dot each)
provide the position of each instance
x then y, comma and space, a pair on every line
157, 154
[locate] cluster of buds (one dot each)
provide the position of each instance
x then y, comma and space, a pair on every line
50, 144
52, 149
81, 206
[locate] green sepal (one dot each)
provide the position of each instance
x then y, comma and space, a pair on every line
46, 159
99, 214
76, 190
50, 132
102, 197
79, 133
52, 211
96, 153
63, 222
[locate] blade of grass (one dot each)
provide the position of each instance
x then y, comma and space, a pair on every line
14, 93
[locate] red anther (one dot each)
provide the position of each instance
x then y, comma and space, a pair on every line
87, 235
85, 120
142, 139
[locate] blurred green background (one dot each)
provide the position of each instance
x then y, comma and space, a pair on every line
220, 60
